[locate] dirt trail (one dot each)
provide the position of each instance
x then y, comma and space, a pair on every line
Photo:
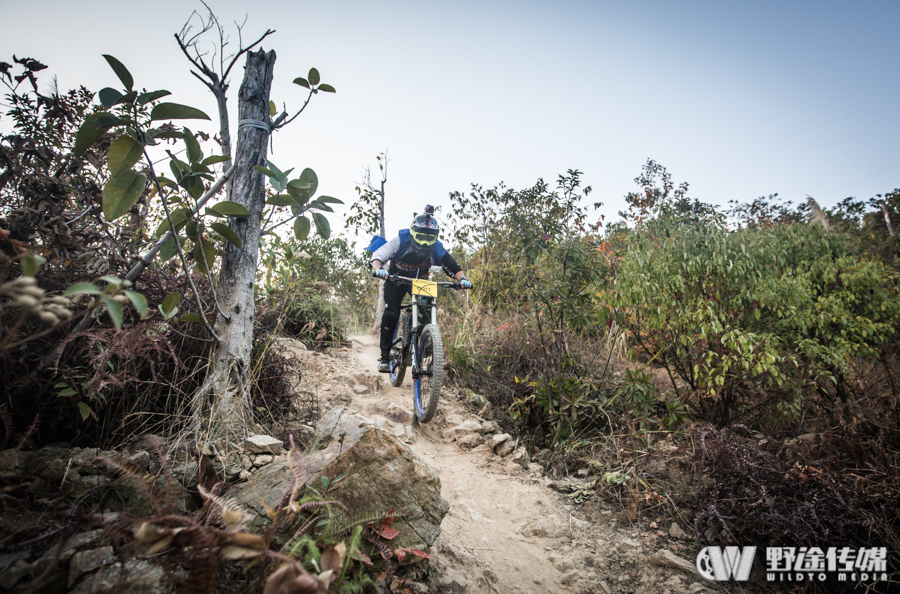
506, 531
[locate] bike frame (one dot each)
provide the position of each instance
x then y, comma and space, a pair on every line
412, 331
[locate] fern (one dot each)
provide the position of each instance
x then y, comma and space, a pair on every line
232, 513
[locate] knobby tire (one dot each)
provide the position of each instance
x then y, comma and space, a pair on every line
427, 389
397, 359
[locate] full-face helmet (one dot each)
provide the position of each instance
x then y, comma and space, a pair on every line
424, 231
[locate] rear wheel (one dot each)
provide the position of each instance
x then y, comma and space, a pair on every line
430, 362
397, 359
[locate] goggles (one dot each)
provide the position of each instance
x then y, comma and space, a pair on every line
424, 238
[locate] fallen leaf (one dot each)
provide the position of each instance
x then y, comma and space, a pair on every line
327, 576
333, 558
291, 579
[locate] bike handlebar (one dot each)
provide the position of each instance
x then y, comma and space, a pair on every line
395, 277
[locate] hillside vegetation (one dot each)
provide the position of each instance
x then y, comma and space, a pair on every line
753, 348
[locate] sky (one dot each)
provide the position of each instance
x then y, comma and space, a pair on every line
739, 99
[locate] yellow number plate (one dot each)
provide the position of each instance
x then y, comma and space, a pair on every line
424, 287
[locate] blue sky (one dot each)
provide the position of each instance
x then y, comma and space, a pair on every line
740, 99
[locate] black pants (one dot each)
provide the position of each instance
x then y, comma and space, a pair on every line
393, 298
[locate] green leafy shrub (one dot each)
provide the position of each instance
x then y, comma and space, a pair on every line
332, 268
306, 313
783, 309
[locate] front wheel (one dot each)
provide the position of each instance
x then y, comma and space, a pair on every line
430, 364
398, 351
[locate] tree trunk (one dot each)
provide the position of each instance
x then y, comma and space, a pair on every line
887, 218
221, 406
379, 301
225, 131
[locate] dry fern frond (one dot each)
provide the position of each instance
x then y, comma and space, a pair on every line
343, 530
233, 515
297, 508
386, 553
301, 531
202, 560
143, 480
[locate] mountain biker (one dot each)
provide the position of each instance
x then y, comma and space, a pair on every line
411, 254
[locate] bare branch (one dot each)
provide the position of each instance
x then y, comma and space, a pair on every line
296, 114
208, 85
184, 266
244, 50
198, 61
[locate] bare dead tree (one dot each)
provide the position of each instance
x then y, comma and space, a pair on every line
224, 397
887, 217
367, 214
213, 67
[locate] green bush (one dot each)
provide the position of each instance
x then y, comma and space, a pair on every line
780, 310
306, 313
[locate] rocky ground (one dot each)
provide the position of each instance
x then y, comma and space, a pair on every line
507, 530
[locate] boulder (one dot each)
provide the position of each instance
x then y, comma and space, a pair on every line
464, 428
86, 487
133, 497
135, 577
337, 422
398, 414
471, 440
475, 398
498, 439
263, 444
382, 474
86, 561
263, 459
503, 444
505, 448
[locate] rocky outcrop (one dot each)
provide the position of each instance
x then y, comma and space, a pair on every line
382, 474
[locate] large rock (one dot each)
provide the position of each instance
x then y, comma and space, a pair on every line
135, 577
382, 474
262, 444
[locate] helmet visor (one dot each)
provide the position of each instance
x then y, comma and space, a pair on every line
424, 237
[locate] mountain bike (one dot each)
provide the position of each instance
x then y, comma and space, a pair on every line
419, 346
